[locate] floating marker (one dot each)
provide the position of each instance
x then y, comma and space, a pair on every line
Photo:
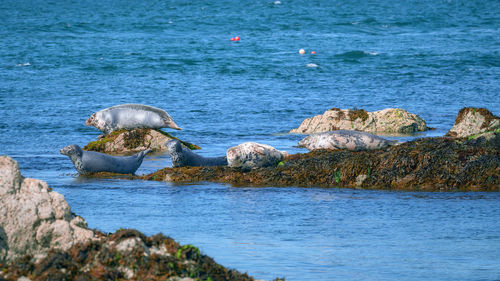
232, 39
237, 38
302, 51
313, 52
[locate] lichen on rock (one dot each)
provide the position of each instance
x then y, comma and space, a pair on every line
390, 120
132, 141
472, 121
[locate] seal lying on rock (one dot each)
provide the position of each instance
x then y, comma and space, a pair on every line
92, 162
345, 139
251, 155
182, 156
130, 116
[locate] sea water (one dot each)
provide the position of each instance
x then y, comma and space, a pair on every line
60, 61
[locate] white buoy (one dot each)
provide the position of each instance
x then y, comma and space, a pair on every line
302, 51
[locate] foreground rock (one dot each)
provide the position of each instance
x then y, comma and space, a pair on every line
133, 141
390, 120
427, 164
40, 239
124, 255
33, 218
473, 121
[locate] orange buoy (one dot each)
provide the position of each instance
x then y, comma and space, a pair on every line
313, 52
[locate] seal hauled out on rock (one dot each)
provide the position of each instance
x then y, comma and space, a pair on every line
249, 155
92, 162
345, 139
182, 156
130, 116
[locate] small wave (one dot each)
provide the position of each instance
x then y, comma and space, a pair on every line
311, 65
23, 64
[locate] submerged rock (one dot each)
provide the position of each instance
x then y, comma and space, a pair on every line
250, 155
427, 164
133, 141
33, 218
390, 120
473, 121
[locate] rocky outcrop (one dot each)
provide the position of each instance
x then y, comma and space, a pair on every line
133, 141
427, 164
40, 239
390, 120
473, 121
33, 218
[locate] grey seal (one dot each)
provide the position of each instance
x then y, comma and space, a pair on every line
345, 139
249, 155
130, 116
182, 156
92, 162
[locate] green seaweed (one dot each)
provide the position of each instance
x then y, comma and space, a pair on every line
337, 176
187, 248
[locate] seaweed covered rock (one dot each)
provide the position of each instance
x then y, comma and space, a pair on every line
426, 164
33, 218
473, 121
132, 141
124, 255
390, 120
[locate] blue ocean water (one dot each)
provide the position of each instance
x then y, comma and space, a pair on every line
60, 61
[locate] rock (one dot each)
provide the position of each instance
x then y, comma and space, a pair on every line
33, 218
251, 155
473, 121
425, 164
390, 120
125, 254
132, 141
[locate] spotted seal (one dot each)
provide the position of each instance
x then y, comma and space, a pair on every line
92, 162
345, 139
182, 156
130, 116
249, 155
